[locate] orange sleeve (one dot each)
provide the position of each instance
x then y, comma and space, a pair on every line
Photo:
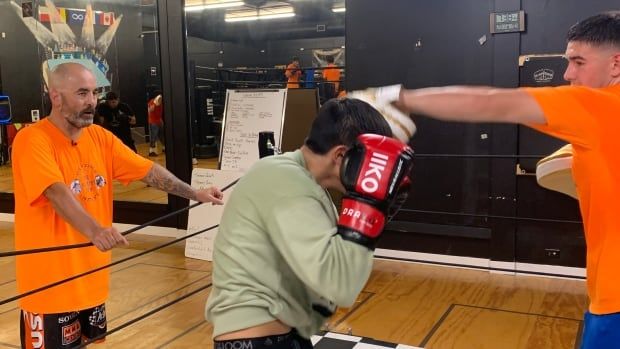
570, 111
127, 165
288, 71
34, 162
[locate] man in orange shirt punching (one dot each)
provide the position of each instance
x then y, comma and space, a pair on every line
585, 114
331, 74
63, 167
293, 73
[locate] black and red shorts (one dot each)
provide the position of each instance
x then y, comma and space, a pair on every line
61, 330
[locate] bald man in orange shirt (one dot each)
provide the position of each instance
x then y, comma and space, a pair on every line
63, 168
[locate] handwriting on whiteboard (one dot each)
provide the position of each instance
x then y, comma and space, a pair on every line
207, 215
246, 114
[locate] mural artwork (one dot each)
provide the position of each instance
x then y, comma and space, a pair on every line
56, 29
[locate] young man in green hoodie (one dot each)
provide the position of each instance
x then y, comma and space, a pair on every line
283, 257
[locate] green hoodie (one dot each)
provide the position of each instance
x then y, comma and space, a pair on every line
277, 254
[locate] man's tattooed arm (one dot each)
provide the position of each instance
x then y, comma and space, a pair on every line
160, 178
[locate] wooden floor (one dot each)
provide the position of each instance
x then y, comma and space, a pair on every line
414, 304
135, 191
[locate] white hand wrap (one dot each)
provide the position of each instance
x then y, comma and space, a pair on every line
381, 99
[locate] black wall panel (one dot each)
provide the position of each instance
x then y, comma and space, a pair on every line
402, 44
20, 64
447, 42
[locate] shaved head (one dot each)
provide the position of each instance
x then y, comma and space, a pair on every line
73, 92
67, 71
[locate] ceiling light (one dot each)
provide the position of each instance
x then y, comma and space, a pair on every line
214, 5
241, 19
339, 9
260, 14
276, 15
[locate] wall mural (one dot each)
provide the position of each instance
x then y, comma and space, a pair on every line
56, 29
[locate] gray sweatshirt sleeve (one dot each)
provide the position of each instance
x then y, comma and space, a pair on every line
305, 234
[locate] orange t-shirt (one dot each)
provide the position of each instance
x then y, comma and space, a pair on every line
42, 155
293, 73
590, 120
332, 74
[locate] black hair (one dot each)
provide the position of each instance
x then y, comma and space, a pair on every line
111, 96
340, 121
601, 29
329, 59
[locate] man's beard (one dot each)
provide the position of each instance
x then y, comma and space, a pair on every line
81, 119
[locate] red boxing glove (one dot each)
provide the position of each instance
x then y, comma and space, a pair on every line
373, 172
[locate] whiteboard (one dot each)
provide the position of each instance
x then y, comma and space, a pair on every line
246, 113
207, 215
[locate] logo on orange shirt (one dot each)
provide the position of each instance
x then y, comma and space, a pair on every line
87, 183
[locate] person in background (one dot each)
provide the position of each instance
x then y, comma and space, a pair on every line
331, 75
293, 73
156, 123
117, 117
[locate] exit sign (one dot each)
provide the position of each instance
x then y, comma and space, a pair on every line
507, 22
